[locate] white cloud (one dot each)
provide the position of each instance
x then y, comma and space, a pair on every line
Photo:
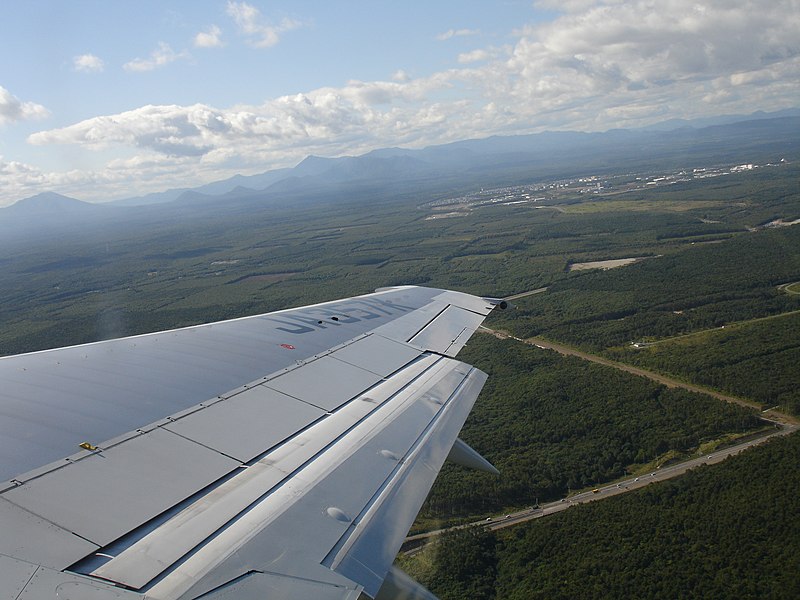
170, 130
400, 76
201, 142
209, 39
599, 65
571, 6
485, 54
473, 56
614, 64
13, 109
160, 57
88, 63
451, 33
252, 24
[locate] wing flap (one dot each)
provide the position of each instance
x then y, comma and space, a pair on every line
247, 424
367, 551
335, 498
110, 492
136, 562
283, 514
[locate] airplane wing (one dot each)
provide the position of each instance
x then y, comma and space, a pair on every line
282, 455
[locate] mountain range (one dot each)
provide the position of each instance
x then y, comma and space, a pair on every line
466, 154
395, 173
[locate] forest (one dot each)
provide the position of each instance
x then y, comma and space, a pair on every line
554, 424
724, 291
754, 359
709, 286
135, 277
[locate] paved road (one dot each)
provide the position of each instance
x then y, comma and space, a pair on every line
632, 483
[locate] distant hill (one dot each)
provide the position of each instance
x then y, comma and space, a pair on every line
48, 209
49, 204
545, 150
506, 160
391, 174
256, 182
48, 212
671, 124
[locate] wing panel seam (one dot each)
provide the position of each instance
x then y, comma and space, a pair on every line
390, 479
88, 566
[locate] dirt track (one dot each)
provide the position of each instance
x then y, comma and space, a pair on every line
771, 414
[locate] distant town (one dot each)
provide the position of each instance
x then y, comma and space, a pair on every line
565, 189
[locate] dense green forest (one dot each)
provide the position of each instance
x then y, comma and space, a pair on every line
700, 288
727, 531
135, 277
759, 360
553, 424
705, 288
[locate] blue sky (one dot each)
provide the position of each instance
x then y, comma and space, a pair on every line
102, 100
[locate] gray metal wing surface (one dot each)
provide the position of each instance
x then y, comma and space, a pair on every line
282, 455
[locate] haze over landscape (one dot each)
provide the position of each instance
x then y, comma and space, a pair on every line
104, 101
625, 172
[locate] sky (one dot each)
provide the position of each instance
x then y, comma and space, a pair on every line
107, 100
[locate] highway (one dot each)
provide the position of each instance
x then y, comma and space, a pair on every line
414, 543
633, 483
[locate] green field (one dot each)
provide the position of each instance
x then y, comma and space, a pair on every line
620, 205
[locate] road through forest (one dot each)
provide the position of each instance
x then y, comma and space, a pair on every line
784, 425
771, 414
